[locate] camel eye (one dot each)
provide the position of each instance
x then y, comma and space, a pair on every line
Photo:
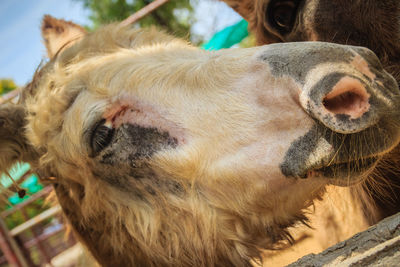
101, 137
281, 15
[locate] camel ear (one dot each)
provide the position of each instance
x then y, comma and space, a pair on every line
14, 146
243, 7
59, 34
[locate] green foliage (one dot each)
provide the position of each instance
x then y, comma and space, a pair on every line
175, 16
6, 85
30, 211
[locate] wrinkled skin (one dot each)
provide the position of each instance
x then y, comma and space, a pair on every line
166, 155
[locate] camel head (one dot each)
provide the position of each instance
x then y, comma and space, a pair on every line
164, 154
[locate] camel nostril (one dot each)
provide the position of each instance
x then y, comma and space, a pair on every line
349, 103
348, 97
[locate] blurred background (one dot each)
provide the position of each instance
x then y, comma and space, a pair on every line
32, 231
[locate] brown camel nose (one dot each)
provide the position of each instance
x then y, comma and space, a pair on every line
348, 97
343, 87
343, 101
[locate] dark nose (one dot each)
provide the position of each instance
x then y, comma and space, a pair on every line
344, 87
350, 96
343, 102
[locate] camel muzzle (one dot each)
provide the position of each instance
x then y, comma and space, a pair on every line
351, 98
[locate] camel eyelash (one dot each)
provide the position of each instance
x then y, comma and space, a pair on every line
101, 137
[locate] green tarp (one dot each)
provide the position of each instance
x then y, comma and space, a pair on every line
228, 37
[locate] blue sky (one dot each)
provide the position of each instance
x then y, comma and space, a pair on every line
21, 47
